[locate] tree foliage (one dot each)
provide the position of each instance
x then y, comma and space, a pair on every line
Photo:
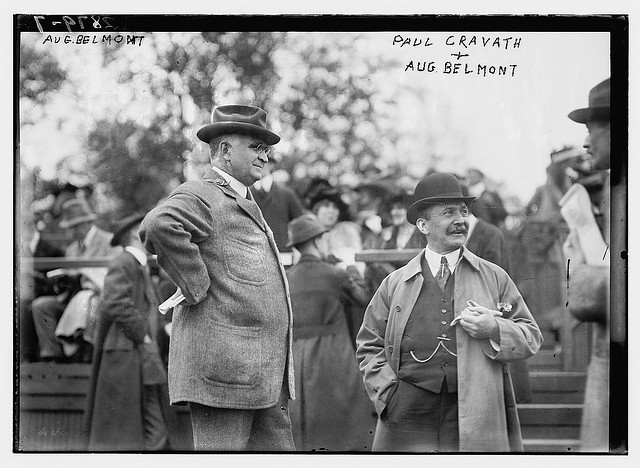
138, 164
40, 74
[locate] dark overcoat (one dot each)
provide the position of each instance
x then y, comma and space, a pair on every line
332, 411
231, 339
122, 362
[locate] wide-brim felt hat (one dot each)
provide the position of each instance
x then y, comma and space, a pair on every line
76, 211
121, 226
599, 104
236, 118
303, 229
439, 187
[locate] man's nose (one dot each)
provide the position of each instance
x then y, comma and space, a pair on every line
263, 157
587, 142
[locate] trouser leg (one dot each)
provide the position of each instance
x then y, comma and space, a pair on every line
220, 429
156, 434
46, 312
271, 429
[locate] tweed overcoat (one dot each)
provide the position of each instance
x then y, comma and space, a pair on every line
231, 339
487, 417
122, 362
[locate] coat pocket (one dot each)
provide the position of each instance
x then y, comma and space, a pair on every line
233, 358
245, 262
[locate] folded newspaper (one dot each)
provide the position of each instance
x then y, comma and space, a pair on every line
575, 207
170, 303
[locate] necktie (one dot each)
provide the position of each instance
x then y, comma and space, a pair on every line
443, 273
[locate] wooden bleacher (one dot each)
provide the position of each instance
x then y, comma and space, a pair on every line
51, 397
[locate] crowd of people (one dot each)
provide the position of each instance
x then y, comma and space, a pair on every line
284, 340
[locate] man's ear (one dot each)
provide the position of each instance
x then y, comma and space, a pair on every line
421, 224
225, 149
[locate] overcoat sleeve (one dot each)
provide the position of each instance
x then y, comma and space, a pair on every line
117, 304
173, 231
377, 373
520, 336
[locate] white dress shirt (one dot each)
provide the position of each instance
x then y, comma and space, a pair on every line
233, 182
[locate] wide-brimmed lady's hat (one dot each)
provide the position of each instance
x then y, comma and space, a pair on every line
599, 104
236, 118
439, 187
333, 195
121, 226
303, 229
76, 211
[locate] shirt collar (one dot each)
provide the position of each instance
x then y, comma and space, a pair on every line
139, 254
233, 182
433, 260
90, 235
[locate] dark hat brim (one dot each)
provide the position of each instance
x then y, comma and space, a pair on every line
306, 238
590, 114
212, 130
123, 226
416, 208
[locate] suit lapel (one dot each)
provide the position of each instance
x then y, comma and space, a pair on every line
248, 206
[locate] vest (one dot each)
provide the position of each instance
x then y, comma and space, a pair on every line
430, 319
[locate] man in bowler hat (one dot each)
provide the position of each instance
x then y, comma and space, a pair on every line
230, 354
437, 335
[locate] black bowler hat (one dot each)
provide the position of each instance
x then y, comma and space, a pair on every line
434, 188
237, 118
303, 229
121, 226
599, 104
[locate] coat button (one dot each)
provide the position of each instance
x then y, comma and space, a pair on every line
390, 349
443, 322
397, 308
445, 364
444, 311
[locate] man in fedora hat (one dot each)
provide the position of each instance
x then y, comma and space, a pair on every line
437, 335
61, 320
230, 352
589, 287
334, 412
124, 406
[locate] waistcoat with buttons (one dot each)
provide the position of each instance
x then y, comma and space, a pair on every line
429, 319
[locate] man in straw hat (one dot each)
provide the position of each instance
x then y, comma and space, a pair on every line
61, 320
334, 412
230, 352
437, 335
589, 287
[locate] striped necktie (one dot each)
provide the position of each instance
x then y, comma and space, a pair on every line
443, 273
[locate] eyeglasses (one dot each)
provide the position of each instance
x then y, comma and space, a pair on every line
261, 148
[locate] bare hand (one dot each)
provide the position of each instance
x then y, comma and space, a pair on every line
478, 321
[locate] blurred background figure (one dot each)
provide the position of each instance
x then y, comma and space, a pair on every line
544, 232
369, 199
128, 394
332, 411
278, 202
488, 204
62, 320
397, 235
